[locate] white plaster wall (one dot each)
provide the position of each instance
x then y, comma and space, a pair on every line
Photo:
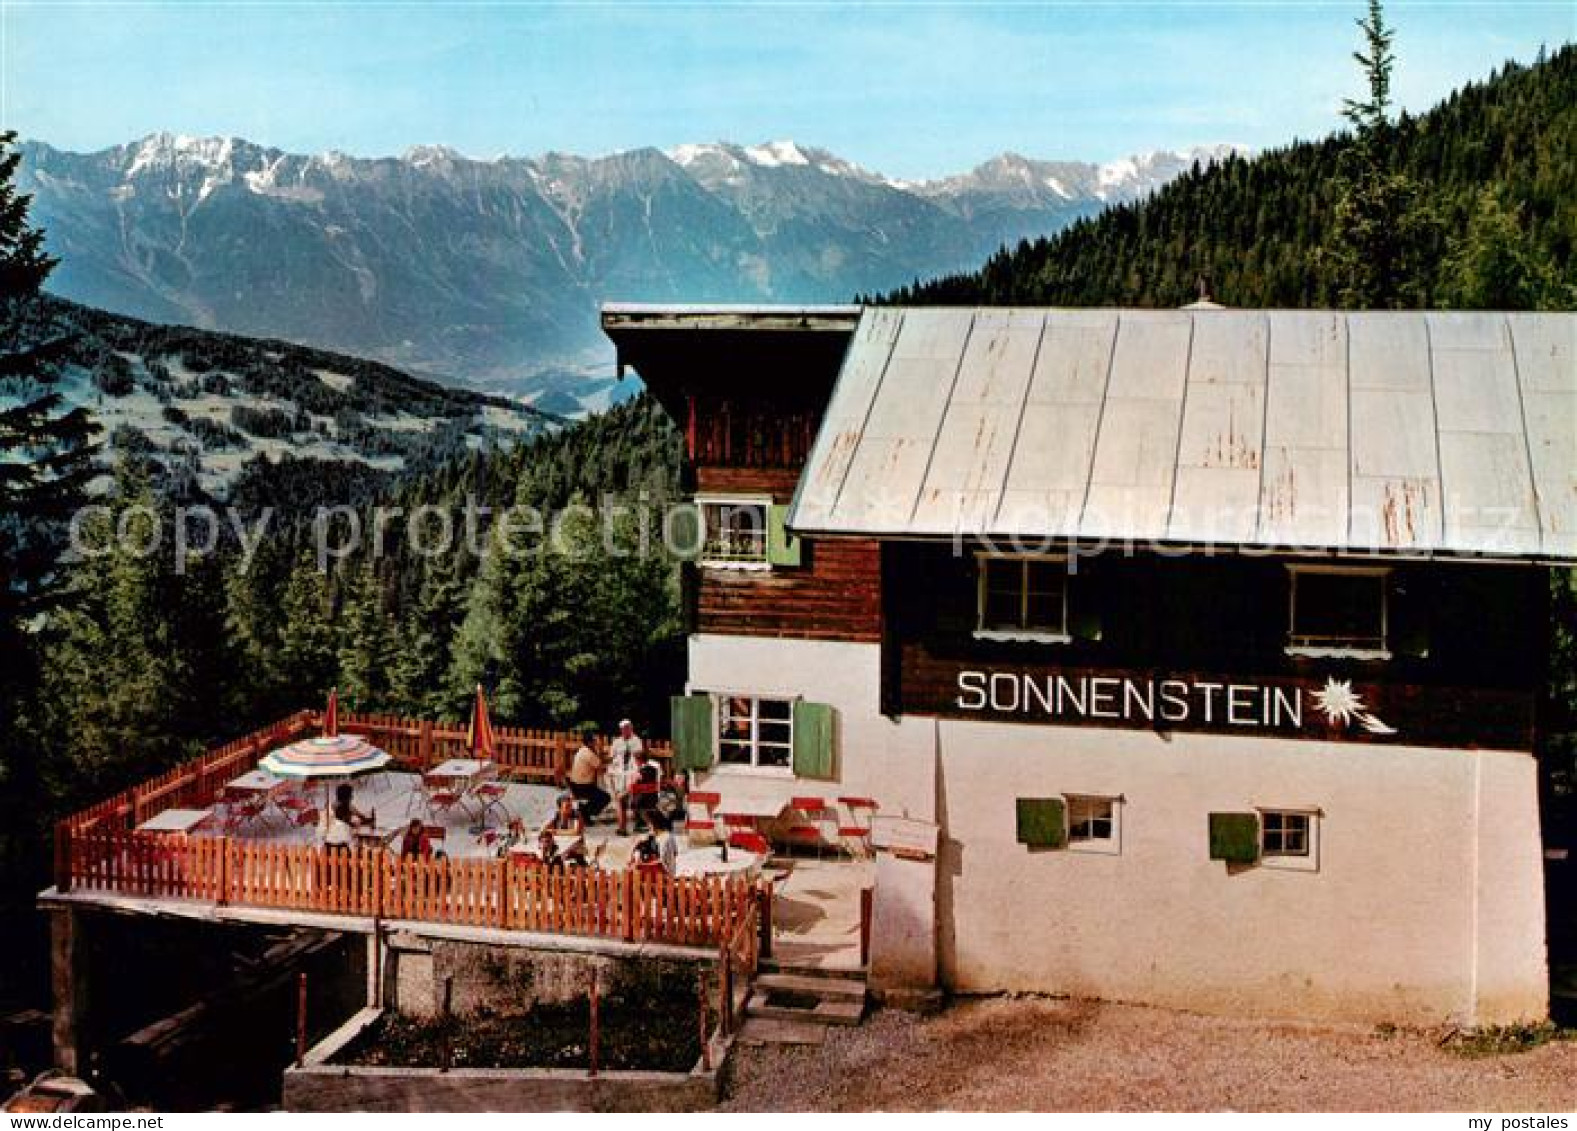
894, 762
1427, 903
1410, 917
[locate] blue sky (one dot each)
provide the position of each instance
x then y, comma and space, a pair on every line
908, 89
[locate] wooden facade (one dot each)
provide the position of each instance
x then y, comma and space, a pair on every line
834, 594
1153, 632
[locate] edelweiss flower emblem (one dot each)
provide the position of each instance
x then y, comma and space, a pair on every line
1343, 706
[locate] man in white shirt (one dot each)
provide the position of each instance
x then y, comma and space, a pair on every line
621, 758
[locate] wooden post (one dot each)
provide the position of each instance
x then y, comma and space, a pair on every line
726, 1018
700, 994
629, 905
594, 1046
866, 895
301, 1018
447, 1061
62, 857
424, 746
764, 920
222, 896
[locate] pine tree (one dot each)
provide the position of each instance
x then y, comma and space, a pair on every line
1494, 265
45, 461
366, 643
1384, 232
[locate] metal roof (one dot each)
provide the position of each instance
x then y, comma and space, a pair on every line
1380, 432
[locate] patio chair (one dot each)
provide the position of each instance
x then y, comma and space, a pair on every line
441, 801
750, 841
811, 831
490, 794
857, 831
700, 823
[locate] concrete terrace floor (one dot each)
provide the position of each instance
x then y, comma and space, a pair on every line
816, 908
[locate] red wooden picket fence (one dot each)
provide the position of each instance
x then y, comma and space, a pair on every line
99, 850
416, 744
628, 905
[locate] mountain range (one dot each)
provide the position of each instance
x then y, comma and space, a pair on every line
489, 272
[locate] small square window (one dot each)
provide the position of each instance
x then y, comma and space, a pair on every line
734, 532
1023, 597
1338, 611
752, 731
1284, 834
1091, 819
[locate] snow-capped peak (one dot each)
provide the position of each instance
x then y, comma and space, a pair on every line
775, 153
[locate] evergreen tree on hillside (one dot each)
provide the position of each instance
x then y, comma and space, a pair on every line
1384, 234
1494, 265
1255, 228
45, 453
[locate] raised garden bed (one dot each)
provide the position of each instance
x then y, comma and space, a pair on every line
637, 1034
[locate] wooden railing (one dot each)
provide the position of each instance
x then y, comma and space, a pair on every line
100, 850
416, 744
615, 904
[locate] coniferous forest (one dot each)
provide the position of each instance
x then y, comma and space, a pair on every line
1495, 172
118, 664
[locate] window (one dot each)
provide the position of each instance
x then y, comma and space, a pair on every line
1023, 599
752, 731
1092, 821
1284, 834
1338, 611
734, 532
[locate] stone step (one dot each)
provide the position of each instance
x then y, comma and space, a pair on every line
817, 986
770, 1031
843, 1012
805, 970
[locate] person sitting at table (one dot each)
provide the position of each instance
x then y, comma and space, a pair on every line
343, 819
668, 843
672, 799
548, 849
647, 851
413, 843
640, 800
566, 817
584, 770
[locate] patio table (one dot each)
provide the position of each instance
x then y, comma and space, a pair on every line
708, 861
175, 821
756, 808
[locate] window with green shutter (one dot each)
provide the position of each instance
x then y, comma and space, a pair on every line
783, 548
1042, 822
813, 740
1234, 837
691, 719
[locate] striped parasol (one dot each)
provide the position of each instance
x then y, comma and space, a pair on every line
341, 756
479, 738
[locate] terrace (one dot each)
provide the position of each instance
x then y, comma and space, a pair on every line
174, 846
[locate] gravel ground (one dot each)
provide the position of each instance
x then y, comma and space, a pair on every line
1037, 1054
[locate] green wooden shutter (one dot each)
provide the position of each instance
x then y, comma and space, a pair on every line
783, 548
691, 719
812, 740
1234, 837
682, 531
1042, 822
